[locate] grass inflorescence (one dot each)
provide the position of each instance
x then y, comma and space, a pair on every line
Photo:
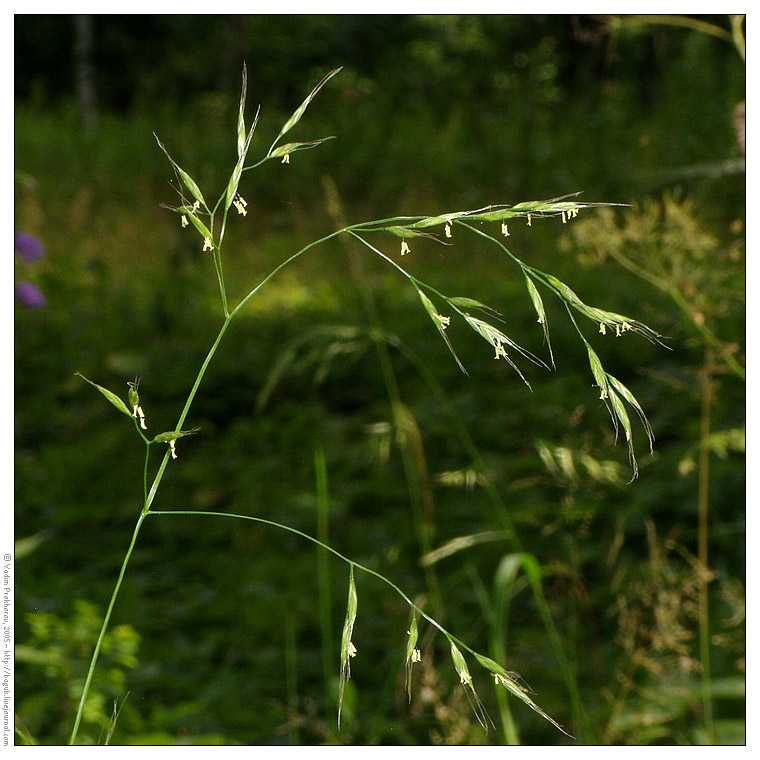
209, 222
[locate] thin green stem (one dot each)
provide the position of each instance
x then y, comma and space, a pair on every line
406, 274
497, 241
220, 277
218, 259
352, 564
282, 266
162, 467
149, 496
327, 548
145, 475
103, 628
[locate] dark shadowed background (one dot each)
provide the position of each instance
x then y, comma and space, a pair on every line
228, 632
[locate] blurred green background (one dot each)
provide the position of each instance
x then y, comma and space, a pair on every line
228, 632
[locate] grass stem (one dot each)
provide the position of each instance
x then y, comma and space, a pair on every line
103, 628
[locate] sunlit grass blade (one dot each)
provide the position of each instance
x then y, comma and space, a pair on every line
409, 232
631, 399
347, 648
471, 303
610, 387
295, 118
441, 324
112, 397
460, 665
288, 148
605, 319
498, 340
538, 305
507, 680
412, 654
188, 212
622, 415
241, 140
598, 372
183, 175
237, 172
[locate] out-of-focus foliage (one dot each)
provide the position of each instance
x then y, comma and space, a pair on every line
55, 658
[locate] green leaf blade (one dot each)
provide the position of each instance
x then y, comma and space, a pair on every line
110, 395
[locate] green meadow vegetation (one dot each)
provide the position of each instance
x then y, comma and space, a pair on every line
565, 194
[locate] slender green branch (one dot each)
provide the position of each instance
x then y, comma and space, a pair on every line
162, 467
417, 283
220, 277
505, 678
283, 265
145, 475
498, 242
326, 547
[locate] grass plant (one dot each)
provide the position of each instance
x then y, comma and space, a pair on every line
391, 240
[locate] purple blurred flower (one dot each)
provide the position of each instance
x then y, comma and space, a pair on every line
28, 246
30, 295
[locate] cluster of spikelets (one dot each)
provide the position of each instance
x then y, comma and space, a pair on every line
196, 212
500, 676
612, 392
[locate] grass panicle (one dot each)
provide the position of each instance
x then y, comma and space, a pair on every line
204, 220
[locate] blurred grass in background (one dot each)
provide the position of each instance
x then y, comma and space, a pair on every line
431, 114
